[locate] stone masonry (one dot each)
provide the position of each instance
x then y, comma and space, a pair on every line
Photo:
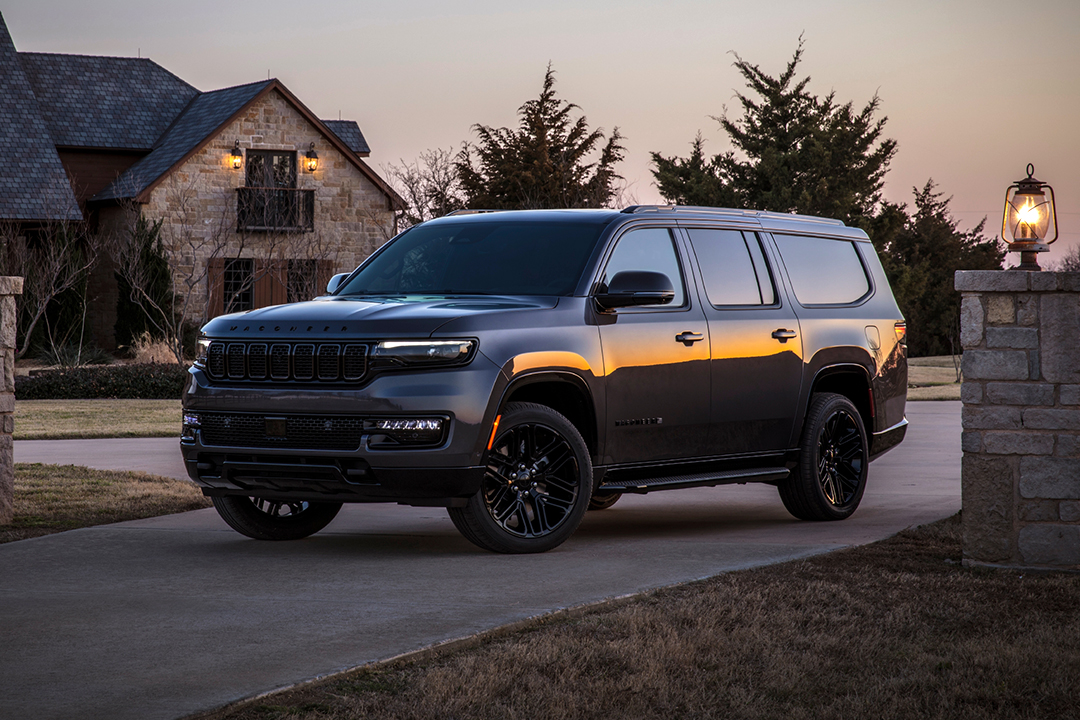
1021, 418
9, 288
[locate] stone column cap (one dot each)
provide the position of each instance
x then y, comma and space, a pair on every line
1016, 281
11, 285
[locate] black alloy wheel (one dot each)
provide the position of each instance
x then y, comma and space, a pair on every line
263, 519
833, 462
537, 485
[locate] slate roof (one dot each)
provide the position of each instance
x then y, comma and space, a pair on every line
204, 114
33, 184
348, 131
105, 102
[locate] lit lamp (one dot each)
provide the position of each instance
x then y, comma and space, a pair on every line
1027, 219
311, 160
237, 156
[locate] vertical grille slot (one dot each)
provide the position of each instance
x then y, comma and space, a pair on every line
235, 361
304, 362
328, 362
215, 360
354, 361
279, 361
257, 361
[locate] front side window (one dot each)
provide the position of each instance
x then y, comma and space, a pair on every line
482, 257
733, 267
823, 271
650, 249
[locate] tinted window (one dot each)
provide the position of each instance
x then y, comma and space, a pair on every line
823, 271
480, 258
733, 267
647, 249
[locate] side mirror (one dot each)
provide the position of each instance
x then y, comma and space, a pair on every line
630, 288
335, 283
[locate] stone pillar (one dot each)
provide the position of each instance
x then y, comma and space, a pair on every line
1021, 418
9, 288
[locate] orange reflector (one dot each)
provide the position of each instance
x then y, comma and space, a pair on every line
494, 429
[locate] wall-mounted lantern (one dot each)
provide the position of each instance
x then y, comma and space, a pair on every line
311, 159
1028, 219
237, 156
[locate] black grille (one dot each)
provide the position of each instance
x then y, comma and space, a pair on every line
302, 432
304, 362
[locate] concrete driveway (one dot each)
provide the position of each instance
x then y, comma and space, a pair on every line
164, 617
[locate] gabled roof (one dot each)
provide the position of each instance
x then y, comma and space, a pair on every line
33, 184
105, 102
203, 118
192, 128
349, 132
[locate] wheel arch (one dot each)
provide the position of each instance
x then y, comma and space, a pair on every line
564, 392
851, 380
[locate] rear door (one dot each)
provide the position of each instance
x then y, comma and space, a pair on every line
756, 353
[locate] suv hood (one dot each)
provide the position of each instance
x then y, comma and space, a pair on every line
408, 316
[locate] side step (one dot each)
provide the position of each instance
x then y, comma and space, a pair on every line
674, 482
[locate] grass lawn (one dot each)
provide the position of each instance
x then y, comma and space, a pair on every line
932, 378
65, 419
896, 629
54, 498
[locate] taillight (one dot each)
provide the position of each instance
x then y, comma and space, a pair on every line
901, 333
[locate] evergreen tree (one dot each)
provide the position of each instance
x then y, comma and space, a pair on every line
542, 164
920, 259
796, 153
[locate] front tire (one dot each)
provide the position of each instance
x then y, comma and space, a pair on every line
274, 519
537, 485
833, 461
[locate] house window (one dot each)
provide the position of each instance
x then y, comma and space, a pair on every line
270, 199
238, 280
303, 280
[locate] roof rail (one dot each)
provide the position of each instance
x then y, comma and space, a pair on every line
634, 209
467, 211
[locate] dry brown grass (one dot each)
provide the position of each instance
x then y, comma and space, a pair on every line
897, 629
66, 419
54, 498
932, 378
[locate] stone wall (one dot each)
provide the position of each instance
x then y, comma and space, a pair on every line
1021, 418
9, 288
197, 202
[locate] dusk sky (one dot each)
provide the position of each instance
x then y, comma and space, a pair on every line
973, 90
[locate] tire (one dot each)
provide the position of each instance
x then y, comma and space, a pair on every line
829, 481
536, 488
602, 501
273, 519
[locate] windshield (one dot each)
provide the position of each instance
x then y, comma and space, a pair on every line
480, 258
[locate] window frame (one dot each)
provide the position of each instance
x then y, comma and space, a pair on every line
771, 275
677, 243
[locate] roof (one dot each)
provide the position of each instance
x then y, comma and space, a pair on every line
33, 184
105, 102
199, 121
349, 132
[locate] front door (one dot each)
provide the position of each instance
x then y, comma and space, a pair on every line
656, 360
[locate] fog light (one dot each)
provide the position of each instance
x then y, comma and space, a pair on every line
191, 419
410, 431
191, 424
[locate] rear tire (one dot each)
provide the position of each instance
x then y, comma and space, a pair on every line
537, 485
602, 501
829, 481
274, 519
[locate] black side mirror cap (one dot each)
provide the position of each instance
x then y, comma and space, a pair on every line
631, 288
335, 283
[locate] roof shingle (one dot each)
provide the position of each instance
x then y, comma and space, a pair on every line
349, 133
33, 184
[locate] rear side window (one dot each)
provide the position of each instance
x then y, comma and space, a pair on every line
733, 267
823, 271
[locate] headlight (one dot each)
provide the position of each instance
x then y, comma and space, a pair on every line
202, 346
423, 352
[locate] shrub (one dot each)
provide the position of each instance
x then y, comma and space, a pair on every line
155, 381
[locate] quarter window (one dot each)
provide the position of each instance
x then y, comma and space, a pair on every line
823, 271
648, 249
733, 267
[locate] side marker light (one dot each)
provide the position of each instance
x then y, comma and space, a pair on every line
494, 429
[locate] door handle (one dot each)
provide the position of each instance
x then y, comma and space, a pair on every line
784, 335
689, 338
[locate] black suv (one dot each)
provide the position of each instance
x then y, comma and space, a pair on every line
519, 368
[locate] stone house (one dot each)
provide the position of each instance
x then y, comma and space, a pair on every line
260, 200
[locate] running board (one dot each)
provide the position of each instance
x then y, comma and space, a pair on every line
674, 482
